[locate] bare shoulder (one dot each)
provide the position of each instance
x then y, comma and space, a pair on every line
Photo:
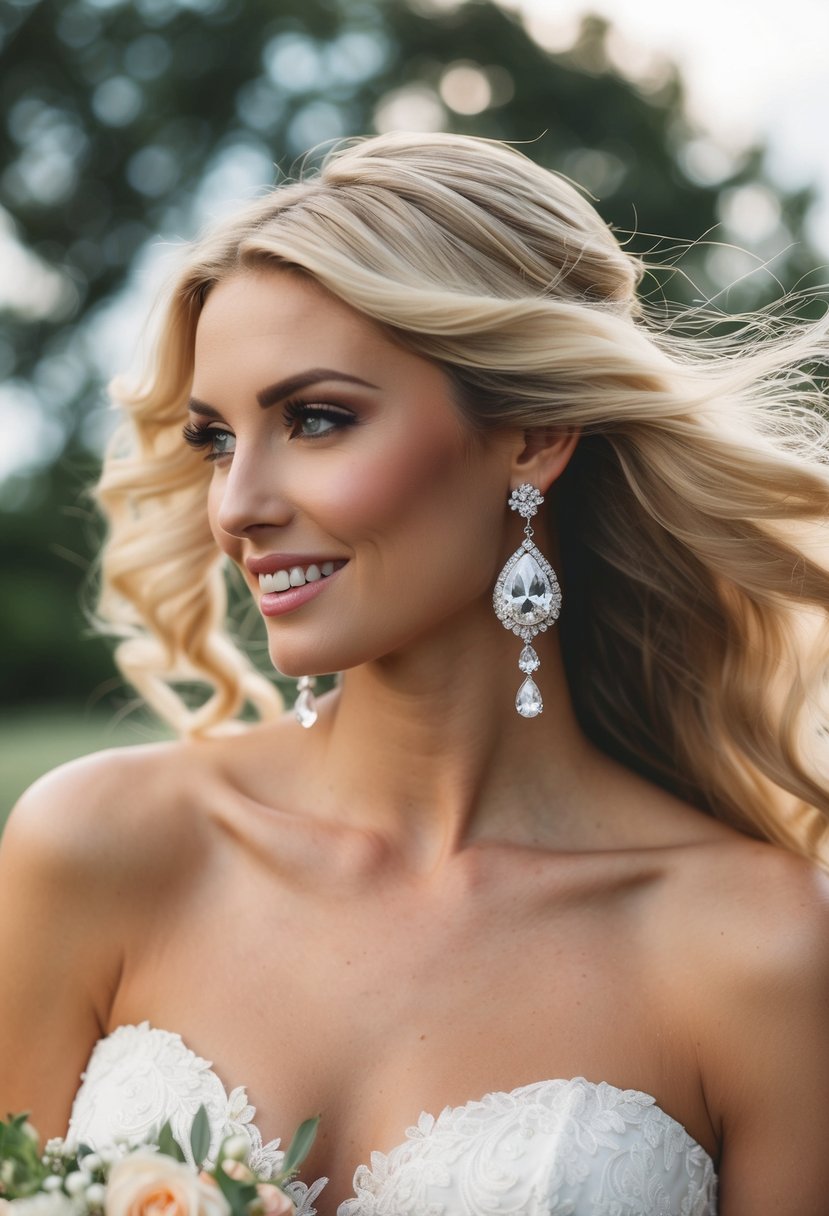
754, 968
83, 858
766, 904
111, 811
749, 918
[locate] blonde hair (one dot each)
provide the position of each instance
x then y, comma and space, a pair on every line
695, 632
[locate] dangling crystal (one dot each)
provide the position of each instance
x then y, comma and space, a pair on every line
529, 660
528, 699
528, 589
305, 706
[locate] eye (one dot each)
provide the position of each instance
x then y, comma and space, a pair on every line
314, 421
218, 442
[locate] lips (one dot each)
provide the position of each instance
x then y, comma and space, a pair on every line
288, 580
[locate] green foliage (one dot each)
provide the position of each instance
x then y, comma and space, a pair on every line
168, 1144
21, 1170
241, 1196
301, 1145
200, 1136
123, 120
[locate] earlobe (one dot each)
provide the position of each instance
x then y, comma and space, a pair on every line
543, 454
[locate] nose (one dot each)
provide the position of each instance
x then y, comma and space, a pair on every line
247, 495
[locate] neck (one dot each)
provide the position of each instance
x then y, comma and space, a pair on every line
426, 749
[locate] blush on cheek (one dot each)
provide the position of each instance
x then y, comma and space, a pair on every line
414, 481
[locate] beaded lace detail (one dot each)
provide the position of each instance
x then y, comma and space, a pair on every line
553, 1148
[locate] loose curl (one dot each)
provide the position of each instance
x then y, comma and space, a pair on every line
696, 631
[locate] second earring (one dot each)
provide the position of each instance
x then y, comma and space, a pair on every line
527, 598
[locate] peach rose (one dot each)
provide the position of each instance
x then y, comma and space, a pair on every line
145, 1183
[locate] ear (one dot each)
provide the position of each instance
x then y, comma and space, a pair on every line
541, 456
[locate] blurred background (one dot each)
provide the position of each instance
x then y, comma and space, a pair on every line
699, 130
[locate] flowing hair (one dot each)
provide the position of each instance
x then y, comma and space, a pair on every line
695, 634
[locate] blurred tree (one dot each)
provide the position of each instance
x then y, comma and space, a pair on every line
125, 121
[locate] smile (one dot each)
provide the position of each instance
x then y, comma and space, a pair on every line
297, 576
287, 589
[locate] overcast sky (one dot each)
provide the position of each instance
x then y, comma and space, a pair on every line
755, 69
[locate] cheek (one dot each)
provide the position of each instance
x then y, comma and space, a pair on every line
409, 485
422, 517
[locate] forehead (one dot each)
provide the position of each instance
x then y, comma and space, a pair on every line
279, 316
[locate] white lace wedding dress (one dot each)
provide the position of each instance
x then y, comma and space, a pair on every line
553, 1148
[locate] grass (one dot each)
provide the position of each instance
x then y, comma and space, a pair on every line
33, 741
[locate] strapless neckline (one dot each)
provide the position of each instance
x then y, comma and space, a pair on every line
367, 1176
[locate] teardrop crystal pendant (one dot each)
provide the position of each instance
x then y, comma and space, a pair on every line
527, 598
529, 661
527, 592
528, 699
305, 706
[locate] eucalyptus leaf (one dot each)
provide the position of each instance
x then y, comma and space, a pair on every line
300, 1145
200, 1136
168, 1144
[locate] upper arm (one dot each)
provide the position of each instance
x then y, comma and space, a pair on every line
771, 1070
62, 883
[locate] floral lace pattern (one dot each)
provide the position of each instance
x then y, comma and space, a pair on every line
553, 1148
139, 1076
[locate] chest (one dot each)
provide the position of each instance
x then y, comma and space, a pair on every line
373, 1007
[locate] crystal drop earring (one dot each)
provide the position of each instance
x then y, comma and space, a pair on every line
305, 705
527, 598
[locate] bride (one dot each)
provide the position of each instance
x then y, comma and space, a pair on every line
530, 906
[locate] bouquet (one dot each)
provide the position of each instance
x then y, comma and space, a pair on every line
147, 1179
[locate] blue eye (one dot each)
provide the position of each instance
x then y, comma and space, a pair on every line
219, 443
315, 424
314, 421
223, 443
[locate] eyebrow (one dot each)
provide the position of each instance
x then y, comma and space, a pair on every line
285, 388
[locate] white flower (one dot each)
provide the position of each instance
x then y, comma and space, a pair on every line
95, 1195
77, 1182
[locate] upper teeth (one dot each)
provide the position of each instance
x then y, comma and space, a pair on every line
297, 576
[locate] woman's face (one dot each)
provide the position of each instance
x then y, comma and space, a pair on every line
340, 465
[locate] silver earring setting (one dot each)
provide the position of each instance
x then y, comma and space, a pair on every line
305, 705
527, 598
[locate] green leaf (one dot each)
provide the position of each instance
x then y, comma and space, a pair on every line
238, 1194
300, 1145
168, 1144
200, 1136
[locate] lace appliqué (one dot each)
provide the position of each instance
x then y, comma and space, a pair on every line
554, 1148
139, 1076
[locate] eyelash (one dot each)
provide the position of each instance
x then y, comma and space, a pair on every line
293, 412
202, 437
296, 410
